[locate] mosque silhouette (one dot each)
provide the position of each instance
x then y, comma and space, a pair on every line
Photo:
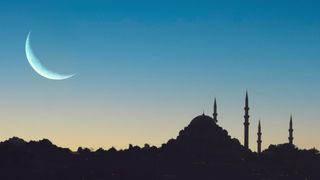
202, 151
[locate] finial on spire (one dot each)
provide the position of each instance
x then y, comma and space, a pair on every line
247, 99
215, 105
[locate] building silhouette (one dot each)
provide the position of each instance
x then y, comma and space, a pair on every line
202, 150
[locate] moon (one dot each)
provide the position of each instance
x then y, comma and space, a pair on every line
39, 68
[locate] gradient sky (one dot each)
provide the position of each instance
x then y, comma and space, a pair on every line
145, 69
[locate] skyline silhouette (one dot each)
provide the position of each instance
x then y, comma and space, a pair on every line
202, 150
246, 124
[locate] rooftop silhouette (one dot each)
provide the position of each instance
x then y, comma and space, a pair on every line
202, 150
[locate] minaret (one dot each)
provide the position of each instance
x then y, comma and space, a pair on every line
259, 141
246, 122
215, 114
290, 131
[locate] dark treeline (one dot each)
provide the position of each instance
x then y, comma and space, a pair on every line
202, 151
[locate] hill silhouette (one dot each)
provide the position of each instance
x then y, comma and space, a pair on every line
202, 150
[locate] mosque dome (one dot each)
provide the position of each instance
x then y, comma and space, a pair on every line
203, 127
203, 137
202, 121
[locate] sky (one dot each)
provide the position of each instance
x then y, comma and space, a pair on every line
144, 69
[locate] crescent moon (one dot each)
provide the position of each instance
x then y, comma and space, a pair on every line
38, 67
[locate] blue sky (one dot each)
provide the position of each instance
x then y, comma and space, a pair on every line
146, 68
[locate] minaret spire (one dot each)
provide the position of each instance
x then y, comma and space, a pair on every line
215, 114
247, 100
259, 141
246, 122
290, 131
